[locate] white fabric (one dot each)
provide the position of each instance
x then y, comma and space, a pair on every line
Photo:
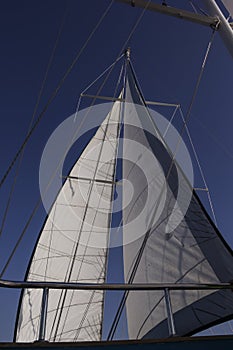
72, 246
175, 251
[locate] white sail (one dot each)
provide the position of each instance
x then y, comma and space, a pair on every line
181, 250
73, 244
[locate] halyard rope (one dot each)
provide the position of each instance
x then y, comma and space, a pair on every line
37, 205
54, 94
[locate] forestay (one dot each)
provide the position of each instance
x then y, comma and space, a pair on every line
72, 246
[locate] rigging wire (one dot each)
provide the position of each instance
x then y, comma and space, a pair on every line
131, 277
51, 59
80, 125
126, 42
109, 69
171, 120
53, 95
193, 6
105, 266
74, 253
37, 205
120, 54
136, 25
215, 139
140, 252
102, 74
212, 330
178, 107
120, 125
39, 201
200, 169
196, 7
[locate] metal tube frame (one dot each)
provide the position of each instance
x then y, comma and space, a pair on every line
225, 29
215, 20
115, 286
227, 34
43, 317
211, 21
170, 319
166, 287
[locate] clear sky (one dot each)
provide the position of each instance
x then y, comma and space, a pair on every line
167, 54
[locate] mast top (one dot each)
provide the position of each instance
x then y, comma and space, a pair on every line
127, 53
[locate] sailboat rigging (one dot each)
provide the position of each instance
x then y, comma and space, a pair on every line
161, 243
164, 240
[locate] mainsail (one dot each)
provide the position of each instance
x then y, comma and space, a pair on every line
67, 249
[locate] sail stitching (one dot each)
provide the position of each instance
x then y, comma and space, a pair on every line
84, 316
91, 186
123, 300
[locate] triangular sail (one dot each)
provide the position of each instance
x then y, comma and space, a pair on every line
67, 249
172, 249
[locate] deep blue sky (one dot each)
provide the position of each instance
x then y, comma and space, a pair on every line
167, 54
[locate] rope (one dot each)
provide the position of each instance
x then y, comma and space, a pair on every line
53, 95
215, 139
197, 159
141, 250
193, 6
69, 271
102, 74
32, 119
20, 238
136, 24
112, 66
200, 169
170, 121
36, 207
119, 55
39, 201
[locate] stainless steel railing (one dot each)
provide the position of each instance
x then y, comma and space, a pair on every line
166, 287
